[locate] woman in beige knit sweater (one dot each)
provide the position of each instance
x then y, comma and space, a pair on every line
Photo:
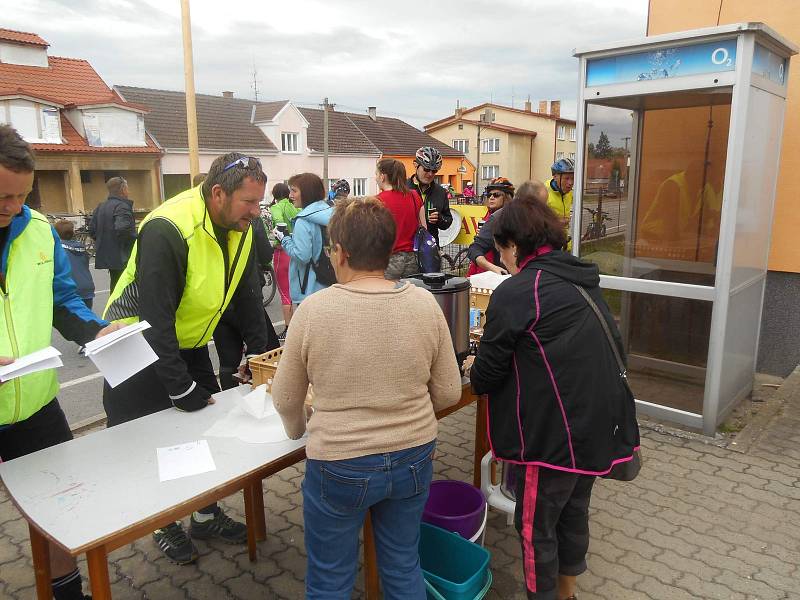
381, 361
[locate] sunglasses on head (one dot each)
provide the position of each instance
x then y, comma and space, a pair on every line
246, 162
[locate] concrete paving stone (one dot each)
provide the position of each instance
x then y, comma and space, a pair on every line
750, 588
790, 492
759, 558
244, 587
655, 590
284, 588
641, 547
140, 570
291, 561
205, 589
17, 575
612, 590
651, 568
164, 588
668, 543
770, 578
710, 590
687, 565
219, 567
614, 570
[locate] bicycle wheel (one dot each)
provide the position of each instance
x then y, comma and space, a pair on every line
448, 264
270, 286
462, 261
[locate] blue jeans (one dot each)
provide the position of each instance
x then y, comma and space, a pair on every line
336, 496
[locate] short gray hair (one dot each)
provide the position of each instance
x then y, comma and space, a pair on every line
115, 185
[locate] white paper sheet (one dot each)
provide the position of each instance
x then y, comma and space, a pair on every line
184, 460
237, 423
258, 403
488, 280
47, 358
121, 354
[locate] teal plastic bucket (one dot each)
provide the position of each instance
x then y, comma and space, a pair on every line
454, 568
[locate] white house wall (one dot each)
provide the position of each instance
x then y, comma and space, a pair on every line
18, 54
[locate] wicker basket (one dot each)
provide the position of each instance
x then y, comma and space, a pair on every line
263, 369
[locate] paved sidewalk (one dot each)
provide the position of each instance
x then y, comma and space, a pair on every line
703, 520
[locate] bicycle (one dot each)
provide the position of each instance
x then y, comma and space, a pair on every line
270, 285
82, 234
597, 226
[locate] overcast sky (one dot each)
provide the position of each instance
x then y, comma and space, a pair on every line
411, 59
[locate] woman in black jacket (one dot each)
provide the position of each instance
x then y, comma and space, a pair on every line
558, 407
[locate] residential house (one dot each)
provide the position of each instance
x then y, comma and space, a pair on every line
286, 138
82, 131
515, 143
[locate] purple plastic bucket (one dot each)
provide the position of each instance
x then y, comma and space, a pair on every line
455, 506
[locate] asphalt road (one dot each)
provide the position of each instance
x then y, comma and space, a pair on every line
81, 394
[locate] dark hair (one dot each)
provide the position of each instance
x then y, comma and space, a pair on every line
231, 180
198, 179
65, 229
280, 191
395, 172
365, 230
311, 187
115, 185
15, 153
532, 190
528, 224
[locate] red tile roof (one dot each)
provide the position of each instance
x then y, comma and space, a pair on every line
454, 118
21, 37
499, 127
66, 81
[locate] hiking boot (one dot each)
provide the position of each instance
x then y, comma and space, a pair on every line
220, 526
175, 544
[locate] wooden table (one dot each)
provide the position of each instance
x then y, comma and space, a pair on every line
102, 491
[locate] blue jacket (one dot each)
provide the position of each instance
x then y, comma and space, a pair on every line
305, 244
79, 263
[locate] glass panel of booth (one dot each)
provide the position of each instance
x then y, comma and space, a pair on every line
769, 65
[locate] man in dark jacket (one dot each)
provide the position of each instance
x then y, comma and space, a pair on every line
114, 229
428, 161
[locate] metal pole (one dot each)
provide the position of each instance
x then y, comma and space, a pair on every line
188, 74
478, 168
325, 143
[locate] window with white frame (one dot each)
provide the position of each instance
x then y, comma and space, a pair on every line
360, 186
288, 142
461, 146
490, 145
572, 155
490, 171
571, 134
561, 132
559, 155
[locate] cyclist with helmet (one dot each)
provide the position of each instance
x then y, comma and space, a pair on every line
428, 161
482, 254
559, 189
339, 191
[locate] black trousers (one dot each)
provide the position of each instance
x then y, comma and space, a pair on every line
42, 429
552, 519
144, 394
114, 274
230, 344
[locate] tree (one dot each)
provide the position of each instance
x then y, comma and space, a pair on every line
603, 147
590, 150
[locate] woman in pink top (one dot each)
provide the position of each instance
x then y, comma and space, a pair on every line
406, 208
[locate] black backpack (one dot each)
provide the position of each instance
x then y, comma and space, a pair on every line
323, 268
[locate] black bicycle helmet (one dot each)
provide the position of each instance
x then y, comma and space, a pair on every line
563, 165
429, 158
341, 187
501, 184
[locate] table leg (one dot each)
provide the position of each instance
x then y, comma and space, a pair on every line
250, 521
40, 550
261, 519
371, 581
481, 440
97, 559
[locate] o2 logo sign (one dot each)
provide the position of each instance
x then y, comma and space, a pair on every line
721, 57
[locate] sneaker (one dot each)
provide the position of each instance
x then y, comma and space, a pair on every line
175, 544
221, 526
282, 336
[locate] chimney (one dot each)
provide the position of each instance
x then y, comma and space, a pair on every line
543, 107
227, 94
528, 106
459, 112
555, 108
373, 112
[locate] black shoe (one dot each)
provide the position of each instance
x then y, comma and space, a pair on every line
282, 336
221, 526
175, 544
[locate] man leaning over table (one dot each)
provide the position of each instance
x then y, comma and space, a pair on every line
37, 293
190, 261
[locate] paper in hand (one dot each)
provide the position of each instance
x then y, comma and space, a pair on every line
47, 358
122, 353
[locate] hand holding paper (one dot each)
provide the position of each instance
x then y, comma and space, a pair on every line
47, 358
121, 352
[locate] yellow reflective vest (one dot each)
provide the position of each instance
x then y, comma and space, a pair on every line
26, 318
208, 288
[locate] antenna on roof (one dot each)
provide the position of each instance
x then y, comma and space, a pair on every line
254, 83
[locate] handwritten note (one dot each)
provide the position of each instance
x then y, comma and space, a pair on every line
184, 460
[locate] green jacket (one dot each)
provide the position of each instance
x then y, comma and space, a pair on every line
283, 211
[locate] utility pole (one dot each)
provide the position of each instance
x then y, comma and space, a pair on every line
188, 74
325, 107
626, 143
